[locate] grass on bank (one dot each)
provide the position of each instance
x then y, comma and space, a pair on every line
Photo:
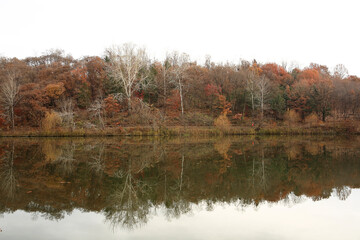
339, 128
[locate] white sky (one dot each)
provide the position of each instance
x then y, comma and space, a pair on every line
305, 31
330, 219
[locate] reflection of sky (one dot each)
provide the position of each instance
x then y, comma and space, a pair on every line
326, 219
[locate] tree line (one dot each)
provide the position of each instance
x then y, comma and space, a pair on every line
126, 87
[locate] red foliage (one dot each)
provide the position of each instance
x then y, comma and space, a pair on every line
111, 105
2, 120
139, 94
173, 103
212, 90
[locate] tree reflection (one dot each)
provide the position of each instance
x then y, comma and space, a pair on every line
97, 163
343, 192
177, 203
65, 161
7, 173
127, 204
128, 180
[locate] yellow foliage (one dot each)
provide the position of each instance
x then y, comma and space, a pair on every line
51, 120
223, 146
291, 117
222, 122
51, 150
55, 90
312, 119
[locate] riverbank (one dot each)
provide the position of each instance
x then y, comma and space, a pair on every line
338, 129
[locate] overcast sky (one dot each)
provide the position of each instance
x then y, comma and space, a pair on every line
324, 32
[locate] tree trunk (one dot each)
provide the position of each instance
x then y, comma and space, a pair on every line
129, 104
12, 118
181, 99
164, 76
243, 113
252, 101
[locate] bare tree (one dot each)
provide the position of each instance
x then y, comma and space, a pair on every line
128, 68
67, 113
340, 71
9, 96
180, 63
251, 87
165, 69
97, 109
263, 91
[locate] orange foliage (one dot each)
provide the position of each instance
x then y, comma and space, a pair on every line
32, 104
276, 73
54, 91
255, 68
309, 76
80, 74
225, 106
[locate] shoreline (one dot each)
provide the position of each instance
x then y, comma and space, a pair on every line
183, 131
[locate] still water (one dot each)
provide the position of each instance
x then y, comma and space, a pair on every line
217, 188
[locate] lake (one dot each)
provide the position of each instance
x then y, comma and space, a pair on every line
180, 188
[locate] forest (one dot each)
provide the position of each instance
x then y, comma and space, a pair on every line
125, 87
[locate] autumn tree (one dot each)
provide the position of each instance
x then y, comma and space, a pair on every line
197, 77
320, 98
111, 106
96, 75
128, 68
277, 74
9, 96
32, 105
82, 92
53, 92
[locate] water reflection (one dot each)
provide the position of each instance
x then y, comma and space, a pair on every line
7, 172
127, 180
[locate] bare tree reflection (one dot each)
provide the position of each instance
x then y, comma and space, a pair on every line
128, 205
258, 179
178, 204
7, 173
97, 164
65, 162
343, 192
